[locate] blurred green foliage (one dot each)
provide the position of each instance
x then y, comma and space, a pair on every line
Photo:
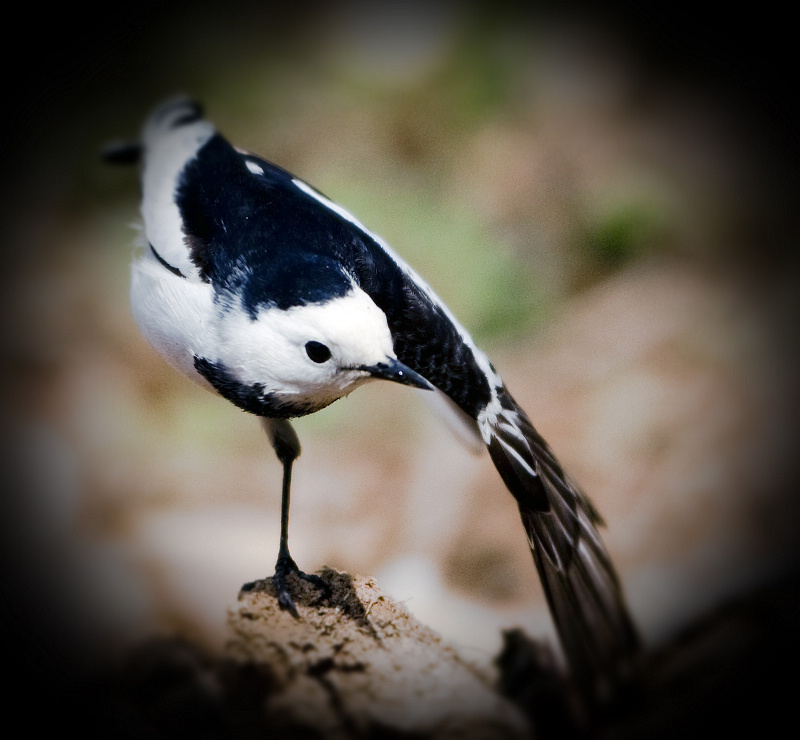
621, 233
481, 279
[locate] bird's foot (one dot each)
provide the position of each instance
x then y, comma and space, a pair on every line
285, 567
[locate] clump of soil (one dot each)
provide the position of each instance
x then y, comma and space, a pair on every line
356, 662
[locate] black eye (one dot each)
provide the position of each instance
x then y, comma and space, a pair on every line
318, 352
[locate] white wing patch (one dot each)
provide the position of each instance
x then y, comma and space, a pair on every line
167, 151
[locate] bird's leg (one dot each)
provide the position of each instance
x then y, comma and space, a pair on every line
287, 448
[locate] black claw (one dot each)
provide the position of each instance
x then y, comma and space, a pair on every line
283, 568
286, 602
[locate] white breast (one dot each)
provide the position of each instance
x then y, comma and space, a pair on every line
175, 315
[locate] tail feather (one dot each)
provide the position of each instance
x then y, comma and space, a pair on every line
581, 586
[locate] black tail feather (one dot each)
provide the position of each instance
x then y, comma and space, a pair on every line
581, 586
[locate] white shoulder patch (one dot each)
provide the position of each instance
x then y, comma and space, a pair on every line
254, 167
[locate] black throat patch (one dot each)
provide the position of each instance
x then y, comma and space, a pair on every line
253, 398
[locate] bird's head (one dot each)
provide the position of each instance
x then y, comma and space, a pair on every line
305, 357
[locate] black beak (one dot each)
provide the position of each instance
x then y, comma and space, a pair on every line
399, 373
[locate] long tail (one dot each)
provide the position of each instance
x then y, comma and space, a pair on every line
582, 589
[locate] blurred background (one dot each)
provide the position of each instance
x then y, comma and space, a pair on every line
606, 202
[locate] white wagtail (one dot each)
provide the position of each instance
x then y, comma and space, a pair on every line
258, 287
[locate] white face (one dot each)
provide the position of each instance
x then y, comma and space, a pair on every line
346, 333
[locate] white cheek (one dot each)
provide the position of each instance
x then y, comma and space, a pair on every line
262, 351
356, 326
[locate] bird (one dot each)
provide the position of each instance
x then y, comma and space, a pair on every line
258, 287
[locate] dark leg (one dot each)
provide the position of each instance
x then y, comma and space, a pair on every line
287, 448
